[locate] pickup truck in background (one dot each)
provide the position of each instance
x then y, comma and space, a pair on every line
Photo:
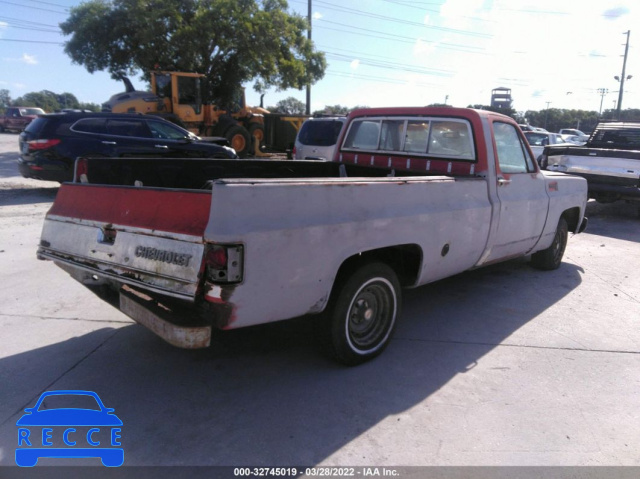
16, 118
609, 161
412, 196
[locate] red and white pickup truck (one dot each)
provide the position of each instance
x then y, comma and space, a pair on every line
413, 195
16, 118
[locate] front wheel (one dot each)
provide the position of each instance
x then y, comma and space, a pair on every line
239, 139
364, 314
551, 258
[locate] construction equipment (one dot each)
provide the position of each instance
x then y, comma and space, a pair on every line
177, 96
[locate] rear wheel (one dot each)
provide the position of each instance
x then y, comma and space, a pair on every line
363, 313
551, 258
239, 139
256, 130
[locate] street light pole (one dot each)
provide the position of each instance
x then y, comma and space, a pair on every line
308, 108
546, 113
622, 77
603, 92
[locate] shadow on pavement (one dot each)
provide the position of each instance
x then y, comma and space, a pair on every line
27, 196
264, 395
625, 216
9, 164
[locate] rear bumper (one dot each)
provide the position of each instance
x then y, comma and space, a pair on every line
147, 312
59, 172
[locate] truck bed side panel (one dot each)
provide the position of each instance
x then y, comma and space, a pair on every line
296, 234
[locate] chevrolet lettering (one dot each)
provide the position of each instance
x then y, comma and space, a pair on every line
170, 257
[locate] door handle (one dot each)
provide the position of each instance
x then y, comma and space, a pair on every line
161, 146
503, 181
109, 143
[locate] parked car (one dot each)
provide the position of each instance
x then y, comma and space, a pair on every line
51, 143
317, 138
16, 118
571, 135
525, 127
538, 140
609, 161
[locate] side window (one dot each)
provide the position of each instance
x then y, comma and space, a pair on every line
450, 138
417, 137
391, 135
513, 157
363, 135
163, 131
136, 128
90, 125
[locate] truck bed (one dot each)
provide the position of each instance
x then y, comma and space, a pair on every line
197, 173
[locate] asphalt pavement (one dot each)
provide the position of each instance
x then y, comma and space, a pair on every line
502, 366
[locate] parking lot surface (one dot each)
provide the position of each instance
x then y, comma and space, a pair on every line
495, 367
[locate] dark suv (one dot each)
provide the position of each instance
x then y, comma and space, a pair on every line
51, 143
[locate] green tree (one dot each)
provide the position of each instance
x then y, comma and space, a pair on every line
289, 106
44, 99
5, 100
511, 112
333, 110
231, 41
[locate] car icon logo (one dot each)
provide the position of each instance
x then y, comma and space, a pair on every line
53, 429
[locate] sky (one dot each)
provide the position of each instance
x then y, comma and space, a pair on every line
393, 53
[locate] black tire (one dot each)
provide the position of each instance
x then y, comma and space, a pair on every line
551, 258
363, 313
239, 139
256, 130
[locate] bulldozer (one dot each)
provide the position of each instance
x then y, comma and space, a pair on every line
177, 97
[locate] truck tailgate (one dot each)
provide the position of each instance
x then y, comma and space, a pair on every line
151, 238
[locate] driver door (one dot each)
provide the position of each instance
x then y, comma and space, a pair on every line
522, 192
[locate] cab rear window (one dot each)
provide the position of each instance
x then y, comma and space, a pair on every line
447, 138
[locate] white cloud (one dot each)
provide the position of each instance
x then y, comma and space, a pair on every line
317, 16
355, 64
29, 59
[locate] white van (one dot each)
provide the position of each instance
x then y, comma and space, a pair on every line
317, 138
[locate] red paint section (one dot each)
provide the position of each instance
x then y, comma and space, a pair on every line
182, 212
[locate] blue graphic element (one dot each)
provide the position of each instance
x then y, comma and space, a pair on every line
27, 455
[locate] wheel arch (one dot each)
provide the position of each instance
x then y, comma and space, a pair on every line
572, 217
405, 260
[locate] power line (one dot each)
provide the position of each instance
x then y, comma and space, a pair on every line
401, 21
392, 66
65, 7
422, 9
33, 8
29, 41
395, 38
27, 22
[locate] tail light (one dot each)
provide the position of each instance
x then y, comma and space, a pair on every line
224, 263
293, 152
42, 144
81, 171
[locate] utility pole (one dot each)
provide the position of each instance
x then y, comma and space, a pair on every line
622, 77
308, 109
603, 92
546, 112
